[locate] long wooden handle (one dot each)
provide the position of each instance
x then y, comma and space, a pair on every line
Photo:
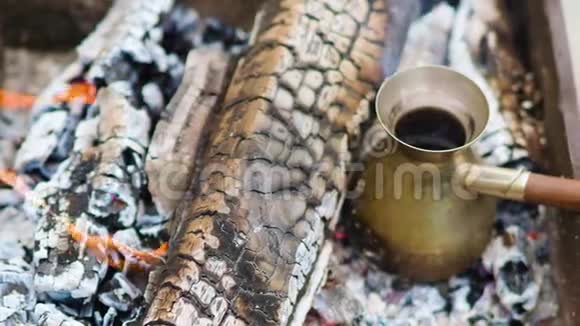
521, 185
553, 191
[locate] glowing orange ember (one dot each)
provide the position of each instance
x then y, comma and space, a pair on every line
80, 91
14, 100
11, 178
117, 254
104, 248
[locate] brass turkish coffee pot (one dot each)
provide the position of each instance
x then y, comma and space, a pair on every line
429, 199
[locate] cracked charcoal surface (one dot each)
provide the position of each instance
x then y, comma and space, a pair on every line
275, 168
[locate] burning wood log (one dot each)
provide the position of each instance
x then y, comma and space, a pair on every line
173, 151
96, 187
275, 168
99, 186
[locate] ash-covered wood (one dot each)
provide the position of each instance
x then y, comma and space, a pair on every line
46, 314
275, 169
96, 187
99, 188
93, 155
178, 135
17, 297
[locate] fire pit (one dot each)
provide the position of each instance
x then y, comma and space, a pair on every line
179, 169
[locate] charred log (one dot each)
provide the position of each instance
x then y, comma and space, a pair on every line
275, 169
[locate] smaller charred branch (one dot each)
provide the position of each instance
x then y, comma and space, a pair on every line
140, 52
510, 259
179, 134
122, 40
98, 188
497, 145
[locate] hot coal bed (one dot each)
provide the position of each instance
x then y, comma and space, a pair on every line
85, 158
86, 219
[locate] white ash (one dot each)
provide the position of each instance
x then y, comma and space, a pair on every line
153, 97
17, 296
120, 293
42, 139
13, 127
42, 130
125, 24
50, 315
508, 257
109, 317
16, 234
9, 197
359, 292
